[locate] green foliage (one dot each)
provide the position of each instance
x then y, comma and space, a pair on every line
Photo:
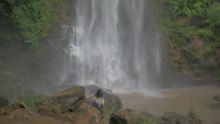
188, 57
180, 37
179, 34
33, 18
2, 9
213, 16
205, 33
211, 47
107, 111
32, 100
191, 43
17, 2
188, 8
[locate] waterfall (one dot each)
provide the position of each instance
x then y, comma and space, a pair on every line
114, 44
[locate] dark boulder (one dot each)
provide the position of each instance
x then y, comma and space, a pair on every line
128, 116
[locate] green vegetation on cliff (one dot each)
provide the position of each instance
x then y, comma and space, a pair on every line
32, 18
192, 29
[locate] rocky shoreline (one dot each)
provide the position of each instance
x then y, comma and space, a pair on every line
73, 105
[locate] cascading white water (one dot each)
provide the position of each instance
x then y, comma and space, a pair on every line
114, 45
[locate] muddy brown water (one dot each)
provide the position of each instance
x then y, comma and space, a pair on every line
181, 100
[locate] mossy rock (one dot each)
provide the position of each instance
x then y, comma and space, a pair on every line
68, 100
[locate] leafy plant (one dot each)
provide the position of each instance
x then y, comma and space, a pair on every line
205, 33
179, 34
213, 17
211, 47
187, 8
2, 9
32, 18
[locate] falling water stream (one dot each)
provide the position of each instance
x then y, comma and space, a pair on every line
114, 45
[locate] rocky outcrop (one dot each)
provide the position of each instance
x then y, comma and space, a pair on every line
66, 101
111, 100
70, 105
18, 110
70, 99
